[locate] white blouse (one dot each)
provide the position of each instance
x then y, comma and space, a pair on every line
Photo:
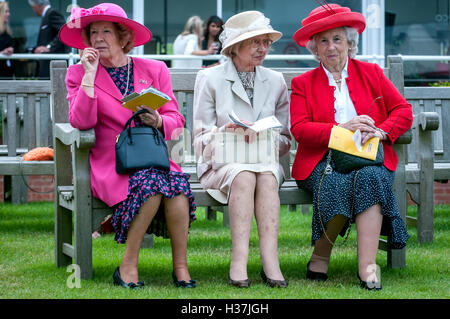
343, 105
185, 45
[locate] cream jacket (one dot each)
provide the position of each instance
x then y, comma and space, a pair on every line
218, 91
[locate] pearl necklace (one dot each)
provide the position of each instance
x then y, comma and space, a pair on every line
128, 75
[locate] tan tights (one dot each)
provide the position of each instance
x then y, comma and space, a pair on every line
176, 211
254, 193
368, 227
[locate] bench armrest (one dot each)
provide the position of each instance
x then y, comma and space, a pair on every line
405, 138
69, 135
427, 121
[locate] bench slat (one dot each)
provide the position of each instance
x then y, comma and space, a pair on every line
16, 166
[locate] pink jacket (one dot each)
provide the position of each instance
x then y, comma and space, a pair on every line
104, 113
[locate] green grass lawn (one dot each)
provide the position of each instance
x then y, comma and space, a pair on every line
27, 267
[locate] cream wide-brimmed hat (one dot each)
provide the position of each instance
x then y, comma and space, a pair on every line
243, 26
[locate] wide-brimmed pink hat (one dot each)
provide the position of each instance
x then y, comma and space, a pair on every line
328, 17
70, 33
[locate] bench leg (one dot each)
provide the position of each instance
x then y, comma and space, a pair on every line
147, 242
425, 209
63, 216
63, 234
210, 213
305, 209
396, 258
7, 188
226, 217
19, 191
83, 211
83, 243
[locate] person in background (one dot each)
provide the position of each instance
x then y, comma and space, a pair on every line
213, 29
355, 95
6, 42
189, 43
48, 41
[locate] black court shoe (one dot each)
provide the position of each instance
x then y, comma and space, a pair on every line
368, 285
273, 283
182, 283
313, 275
239, 283
131, 285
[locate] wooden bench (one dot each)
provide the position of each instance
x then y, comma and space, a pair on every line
26, 124
72, 172
428, 154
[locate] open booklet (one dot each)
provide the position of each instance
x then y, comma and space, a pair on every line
150, 97
258, 126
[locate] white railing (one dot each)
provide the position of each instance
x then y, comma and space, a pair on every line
72, 58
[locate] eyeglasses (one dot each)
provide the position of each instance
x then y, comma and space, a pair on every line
256, 43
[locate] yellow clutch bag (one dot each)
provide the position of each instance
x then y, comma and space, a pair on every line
341, 139
347, 157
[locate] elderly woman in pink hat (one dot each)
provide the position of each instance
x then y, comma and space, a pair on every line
355, 95
149, 200
250, 188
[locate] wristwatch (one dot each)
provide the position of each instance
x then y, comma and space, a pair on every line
48, 46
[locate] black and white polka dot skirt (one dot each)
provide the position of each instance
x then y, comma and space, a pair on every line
373, 186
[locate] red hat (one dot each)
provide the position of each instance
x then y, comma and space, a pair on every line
70, 33
328, 17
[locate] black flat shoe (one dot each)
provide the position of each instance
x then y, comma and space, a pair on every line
182, 283
313, 275
239, 283
273, 283
131, 285
368, 285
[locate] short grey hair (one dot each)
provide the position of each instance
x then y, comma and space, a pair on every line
352, 39
38, 2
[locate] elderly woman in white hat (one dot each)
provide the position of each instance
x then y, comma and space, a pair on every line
241, 85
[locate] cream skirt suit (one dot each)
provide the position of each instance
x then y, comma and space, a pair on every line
219, 91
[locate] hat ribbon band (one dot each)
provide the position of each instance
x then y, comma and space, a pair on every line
81, 12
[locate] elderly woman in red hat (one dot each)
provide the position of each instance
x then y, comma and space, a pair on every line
149, 200
355, 95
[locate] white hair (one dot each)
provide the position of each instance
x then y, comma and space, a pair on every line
352, 39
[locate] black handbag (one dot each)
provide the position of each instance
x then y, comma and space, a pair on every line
345, 163
140, 147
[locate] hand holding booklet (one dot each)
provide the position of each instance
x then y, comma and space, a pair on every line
349, 142
150, 97
258, 126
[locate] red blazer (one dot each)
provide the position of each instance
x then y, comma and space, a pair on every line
312, 112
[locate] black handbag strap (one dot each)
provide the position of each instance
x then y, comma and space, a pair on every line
133, 117
327, 171
156, 133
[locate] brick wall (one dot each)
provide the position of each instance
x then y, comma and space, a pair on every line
43, 183
40, 183
442, 193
